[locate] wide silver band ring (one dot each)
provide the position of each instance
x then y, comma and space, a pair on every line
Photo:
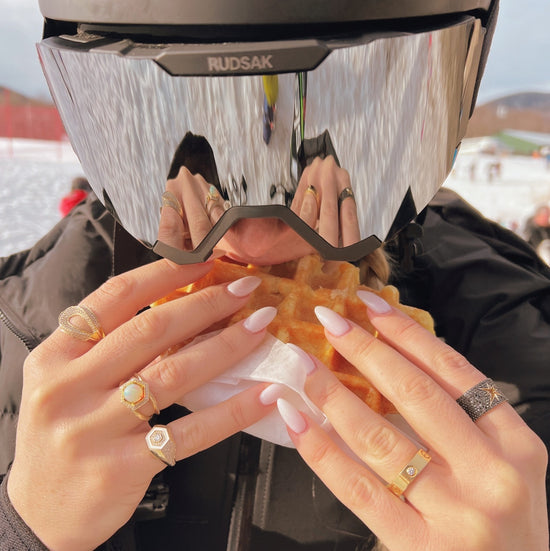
481, 398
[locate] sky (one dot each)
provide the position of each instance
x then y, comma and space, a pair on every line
519, 59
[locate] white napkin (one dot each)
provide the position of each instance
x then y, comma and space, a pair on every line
273, 362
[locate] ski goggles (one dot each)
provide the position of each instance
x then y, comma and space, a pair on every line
390, 107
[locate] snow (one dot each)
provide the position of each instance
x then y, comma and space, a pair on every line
35, 175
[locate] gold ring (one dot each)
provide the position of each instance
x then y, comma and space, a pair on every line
161, 444
344, 194
212, 195
311, 189
95, 333
409, 473
170, 200
134, 394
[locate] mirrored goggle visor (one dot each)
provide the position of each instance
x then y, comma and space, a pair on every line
250, 118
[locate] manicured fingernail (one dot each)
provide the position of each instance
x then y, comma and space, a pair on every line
291, 416
373, 302
260, 319
333, 322
271, 394
244, 286
307, 362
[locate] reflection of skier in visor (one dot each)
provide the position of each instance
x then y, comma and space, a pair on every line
171, 144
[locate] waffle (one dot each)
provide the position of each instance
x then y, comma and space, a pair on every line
295, 288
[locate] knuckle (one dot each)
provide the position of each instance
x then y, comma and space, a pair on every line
406, 330
193, 437
415, 389
329, 393
227, 346
323, 454
359, 491
148, 325
365, 347
118, 287
379, 442
209, 302
169, 373
448, 360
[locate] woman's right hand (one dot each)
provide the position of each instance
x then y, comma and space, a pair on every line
82, 465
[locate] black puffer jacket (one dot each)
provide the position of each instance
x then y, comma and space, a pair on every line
487, 291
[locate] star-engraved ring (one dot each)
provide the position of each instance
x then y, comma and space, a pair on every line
170, 200
134, 394
344, 194
93, 332
409, 473
161, 444
481, 398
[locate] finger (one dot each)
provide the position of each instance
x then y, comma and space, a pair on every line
194, 204
188, 369
140, 340
202, 429
449, 369
349, 224
296, 205
310, 206
325, 172
120, 298
419, 399
371, 437
354, 485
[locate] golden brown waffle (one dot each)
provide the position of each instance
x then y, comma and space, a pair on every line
295, 288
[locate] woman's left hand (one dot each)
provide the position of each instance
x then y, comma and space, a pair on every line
484, 488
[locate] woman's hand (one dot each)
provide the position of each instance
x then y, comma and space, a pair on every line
325, 201
484, 487
82, 464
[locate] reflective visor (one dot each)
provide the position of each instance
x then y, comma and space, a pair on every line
390, 108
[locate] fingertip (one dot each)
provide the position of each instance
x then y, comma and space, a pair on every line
293, 419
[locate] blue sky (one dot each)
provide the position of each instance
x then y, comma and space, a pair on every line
519, 59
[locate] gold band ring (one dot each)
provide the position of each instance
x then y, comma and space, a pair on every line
311, 189
344, 194
161, 444
212, 195
170, 200
95, 333
409, 473
134, 394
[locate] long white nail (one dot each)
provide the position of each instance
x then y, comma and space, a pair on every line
373, 302
244, 286
291, 416
333, 322
271, 394
260, 319
307, 362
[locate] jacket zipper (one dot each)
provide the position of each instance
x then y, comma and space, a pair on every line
29, 343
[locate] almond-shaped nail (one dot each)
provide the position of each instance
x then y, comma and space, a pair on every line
244, 286
307, 362
291, 416
270, 394
334, 323
373, 302
260, 319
